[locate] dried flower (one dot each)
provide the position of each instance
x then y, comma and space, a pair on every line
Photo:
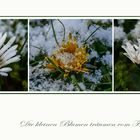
69, 57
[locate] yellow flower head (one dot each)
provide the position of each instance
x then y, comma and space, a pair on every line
69, 57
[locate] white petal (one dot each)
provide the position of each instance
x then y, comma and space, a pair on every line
7, 46
9, 55
10, 50
133, 52
133, 60
136, 47
138, 58
138, 42
2, 40
14, 59
6, 69
130, 47
3, 74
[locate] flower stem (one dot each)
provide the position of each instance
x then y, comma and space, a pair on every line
42, 51
34, 63
91, 34
54, 33
63, 28
24, 43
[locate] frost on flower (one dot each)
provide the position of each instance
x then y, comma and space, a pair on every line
8, 55
132, 51
69, 57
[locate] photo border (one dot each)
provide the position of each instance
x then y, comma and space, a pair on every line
72, 92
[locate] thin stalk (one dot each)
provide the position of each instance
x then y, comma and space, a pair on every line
63, 28
26, 39
91, 34
39, 48
34, 63
54, 33
59, 69
107, 83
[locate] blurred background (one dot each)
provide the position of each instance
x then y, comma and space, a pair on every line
17, 78
127, 74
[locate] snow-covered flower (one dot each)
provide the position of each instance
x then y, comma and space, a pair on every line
75, 63
69, 57
132, 51
7, 54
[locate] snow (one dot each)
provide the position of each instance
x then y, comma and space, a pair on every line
96, 78
42, 39
107, 59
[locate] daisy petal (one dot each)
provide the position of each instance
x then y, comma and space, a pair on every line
6, 69
10, 55
7, 55
132, 51
2, 40
10, 50
3, 74
14, 59
8, 45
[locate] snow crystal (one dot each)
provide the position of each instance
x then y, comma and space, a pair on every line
65, 57
103, 34
93, 54
42, 37
107, 59
95, 78
38, 82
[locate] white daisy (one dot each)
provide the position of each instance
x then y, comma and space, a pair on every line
7, 54
132, 51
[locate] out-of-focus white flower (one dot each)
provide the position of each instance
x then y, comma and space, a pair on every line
135, 33
7, 54
119, 33
132, 51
